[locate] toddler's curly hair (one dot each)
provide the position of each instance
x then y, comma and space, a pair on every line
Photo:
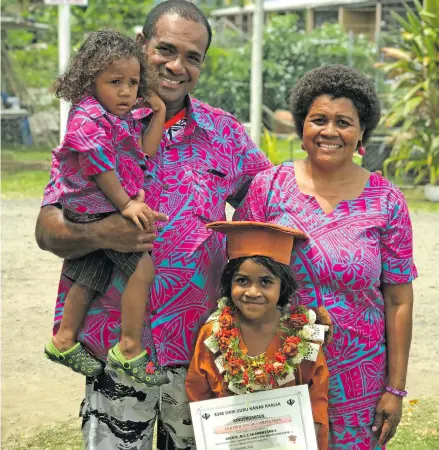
97, 53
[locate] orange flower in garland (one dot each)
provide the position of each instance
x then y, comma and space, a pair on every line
295, 340
245, 372
224, 337
280, 357
269, 368
226, 321
234, 365
278, 368
290, 350
261, 377
227, 330
298, 320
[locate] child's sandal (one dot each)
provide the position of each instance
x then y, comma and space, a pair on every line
140, 369
77, 358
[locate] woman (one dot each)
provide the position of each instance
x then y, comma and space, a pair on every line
358, 260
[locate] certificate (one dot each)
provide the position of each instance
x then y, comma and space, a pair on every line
278, 419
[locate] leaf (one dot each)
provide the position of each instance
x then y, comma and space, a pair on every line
396, 53
419, 87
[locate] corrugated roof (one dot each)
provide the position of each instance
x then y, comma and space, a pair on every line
9, 22
291, 5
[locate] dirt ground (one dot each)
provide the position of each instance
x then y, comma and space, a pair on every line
37, 392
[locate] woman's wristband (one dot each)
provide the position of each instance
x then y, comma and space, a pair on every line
396, 391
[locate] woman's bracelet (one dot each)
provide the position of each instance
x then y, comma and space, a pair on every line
396, 391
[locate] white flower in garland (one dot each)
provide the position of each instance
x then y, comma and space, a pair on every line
311, 316
306, 333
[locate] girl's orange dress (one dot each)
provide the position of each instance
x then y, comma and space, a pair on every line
204, 381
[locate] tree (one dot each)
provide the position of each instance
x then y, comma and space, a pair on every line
288, 55
415, 94
34, 54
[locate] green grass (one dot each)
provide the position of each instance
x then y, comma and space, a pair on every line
419, 427
417, 202
64, 435
26, 154
24, 184
418, 430
25, 172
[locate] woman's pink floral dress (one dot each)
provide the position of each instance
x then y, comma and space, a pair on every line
361, 244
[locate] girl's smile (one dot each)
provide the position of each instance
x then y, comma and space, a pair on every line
255, 291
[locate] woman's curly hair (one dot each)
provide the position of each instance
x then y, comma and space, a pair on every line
336, 81
97, 53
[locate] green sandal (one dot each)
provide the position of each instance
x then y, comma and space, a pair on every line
140, 369
77, 358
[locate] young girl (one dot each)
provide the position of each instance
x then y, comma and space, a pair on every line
261, 343
101, 164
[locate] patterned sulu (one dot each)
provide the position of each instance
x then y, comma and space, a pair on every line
351, 251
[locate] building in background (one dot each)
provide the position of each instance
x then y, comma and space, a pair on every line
369, 17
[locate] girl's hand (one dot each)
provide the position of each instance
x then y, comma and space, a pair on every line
387, 416
155, 103
142, 215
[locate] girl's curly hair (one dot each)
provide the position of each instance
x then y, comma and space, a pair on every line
97, 53
336, 81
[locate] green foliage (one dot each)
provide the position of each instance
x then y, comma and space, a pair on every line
225, 80
288, 55
36, 63
414, 98
37, 68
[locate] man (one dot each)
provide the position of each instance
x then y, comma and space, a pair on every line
205, 158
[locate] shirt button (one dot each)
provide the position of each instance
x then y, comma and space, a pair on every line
153, 312
159, 228
166, 186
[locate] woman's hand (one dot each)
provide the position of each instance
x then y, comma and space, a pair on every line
387, 416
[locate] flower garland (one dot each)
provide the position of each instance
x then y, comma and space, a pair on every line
245, 374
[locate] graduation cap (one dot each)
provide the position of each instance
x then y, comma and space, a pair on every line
258, 239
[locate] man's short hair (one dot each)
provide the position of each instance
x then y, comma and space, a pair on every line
181, 8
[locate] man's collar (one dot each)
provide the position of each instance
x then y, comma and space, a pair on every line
197, 114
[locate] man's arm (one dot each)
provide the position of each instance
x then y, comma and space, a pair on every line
62, 237
72, 240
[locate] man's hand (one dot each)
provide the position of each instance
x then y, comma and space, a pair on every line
387, 416
123, 235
